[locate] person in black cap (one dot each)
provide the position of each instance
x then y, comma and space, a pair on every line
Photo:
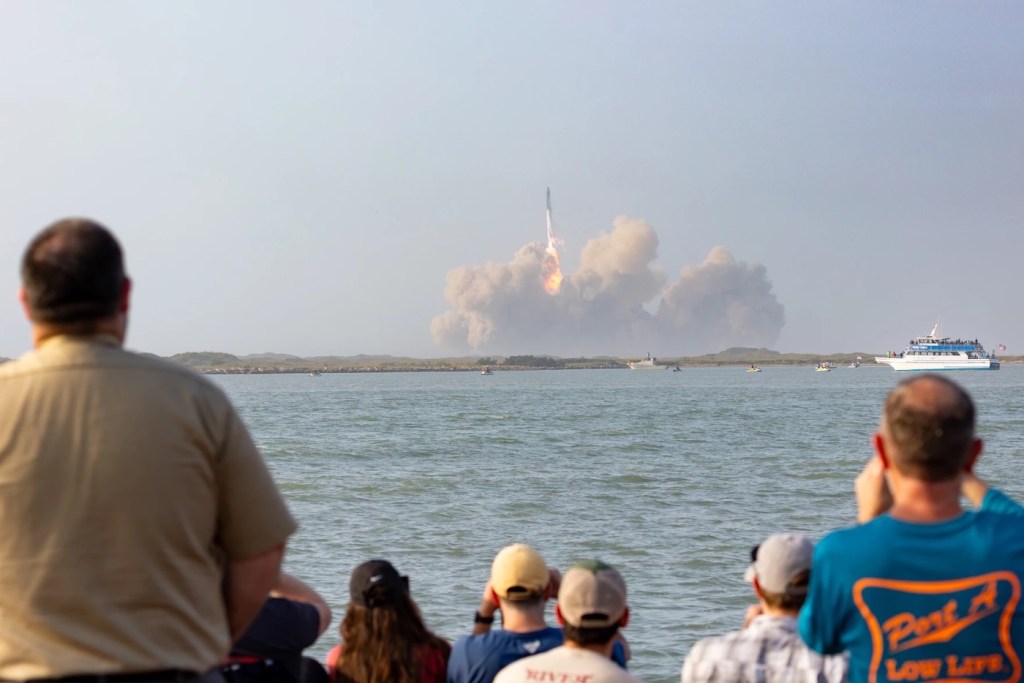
383, 634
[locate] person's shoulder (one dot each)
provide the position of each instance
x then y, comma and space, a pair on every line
716, 647
851, 539
284, 608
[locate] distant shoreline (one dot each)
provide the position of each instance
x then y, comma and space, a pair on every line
217, 363
227, 364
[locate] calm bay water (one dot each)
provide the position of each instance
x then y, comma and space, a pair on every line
671, 477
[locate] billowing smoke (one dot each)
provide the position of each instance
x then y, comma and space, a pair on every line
503, 308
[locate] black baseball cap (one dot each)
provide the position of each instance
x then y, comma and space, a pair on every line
375, 583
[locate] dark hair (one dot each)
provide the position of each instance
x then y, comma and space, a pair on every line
72, 273
590, 635
931, 431
787, 601
385, 644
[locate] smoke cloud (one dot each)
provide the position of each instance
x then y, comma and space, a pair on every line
602, 308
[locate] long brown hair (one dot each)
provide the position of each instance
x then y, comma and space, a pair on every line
385, 644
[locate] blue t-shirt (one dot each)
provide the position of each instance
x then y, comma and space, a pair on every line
478, 659
916, 603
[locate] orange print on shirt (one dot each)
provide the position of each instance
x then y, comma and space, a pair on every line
955, 631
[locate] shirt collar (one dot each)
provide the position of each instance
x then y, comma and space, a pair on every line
65, 339
772, 623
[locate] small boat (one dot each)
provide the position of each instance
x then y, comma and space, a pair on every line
823, 367
486, 371
648, 363
314, 373
753, 368
677, 369
932, 352
856, 363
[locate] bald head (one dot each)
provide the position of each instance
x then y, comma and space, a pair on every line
72, 273
928, 427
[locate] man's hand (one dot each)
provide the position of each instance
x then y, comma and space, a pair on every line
753, 612
872, 491
973, 489
554, 582
487, 609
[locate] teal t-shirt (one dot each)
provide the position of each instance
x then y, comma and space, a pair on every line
923, 603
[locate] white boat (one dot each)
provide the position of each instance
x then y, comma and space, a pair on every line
823, 367
647, 363
753, 368
486, 371
856, 363
932, 352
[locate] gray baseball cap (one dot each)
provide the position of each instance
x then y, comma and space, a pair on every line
778, 560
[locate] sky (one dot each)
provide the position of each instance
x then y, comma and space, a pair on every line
338, 178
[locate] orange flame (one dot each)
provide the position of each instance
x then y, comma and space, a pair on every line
552, 271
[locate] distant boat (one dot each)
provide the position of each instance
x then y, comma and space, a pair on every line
823, 367
677, 369
753, 368
486, 371
648, 363
314, 373
932, 352
856, 363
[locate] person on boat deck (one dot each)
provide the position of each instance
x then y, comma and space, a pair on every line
768, 648
270, 651
591, 609
520, 586
140, 530
383, 635
922, 589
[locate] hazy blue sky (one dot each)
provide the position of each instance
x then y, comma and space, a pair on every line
301, 177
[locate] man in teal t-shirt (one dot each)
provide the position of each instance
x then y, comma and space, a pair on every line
923, 591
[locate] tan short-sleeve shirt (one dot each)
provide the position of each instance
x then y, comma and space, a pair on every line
126, 482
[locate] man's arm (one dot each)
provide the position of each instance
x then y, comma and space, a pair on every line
290, 587
973, 489
872, 490
984, 497
488, 608
246, 585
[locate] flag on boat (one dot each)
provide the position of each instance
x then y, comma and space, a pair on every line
1002, 347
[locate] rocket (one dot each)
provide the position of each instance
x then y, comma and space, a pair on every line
552, 269
551, 235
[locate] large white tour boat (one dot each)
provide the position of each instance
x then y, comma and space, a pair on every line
932, 352
647, 363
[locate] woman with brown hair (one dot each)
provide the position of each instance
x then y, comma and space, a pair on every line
384, 639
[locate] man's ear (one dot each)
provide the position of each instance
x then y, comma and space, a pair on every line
624, 621
972, 457
558, 616
23, 298
757, 588
879, 444
124, 299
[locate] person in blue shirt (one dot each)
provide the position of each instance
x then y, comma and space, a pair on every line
923, 590
520, 586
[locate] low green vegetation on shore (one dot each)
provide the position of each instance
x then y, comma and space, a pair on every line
225, 363
215, 362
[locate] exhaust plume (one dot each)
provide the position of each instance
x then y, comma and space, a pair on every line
602, 307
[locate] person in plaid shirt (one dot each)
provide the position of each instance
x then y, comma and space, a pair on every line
768, 648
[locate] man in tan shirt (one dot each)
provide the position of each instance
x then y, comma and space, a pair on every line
140, 530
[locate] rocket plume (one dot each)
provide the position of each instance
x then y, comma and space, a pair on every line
552, 271
616, 301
